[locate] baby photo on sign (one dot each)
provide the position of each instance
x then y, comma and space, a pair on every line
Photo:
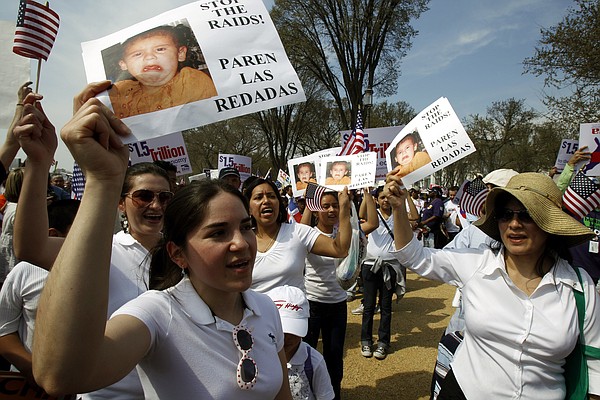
159, 68
338, 173
409, 154
304, 173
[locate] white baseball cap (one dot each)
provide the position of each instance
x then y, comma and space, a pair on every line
500, 177
293, 309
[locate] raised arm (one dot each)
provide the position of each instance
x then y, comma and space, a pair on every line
74, 349
397, 195
36, 135
338, 247
306, 217
369, 213
10, 147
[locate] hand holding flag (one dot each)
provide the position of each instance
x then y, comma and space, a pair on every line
313, 195
472, 195
582, 195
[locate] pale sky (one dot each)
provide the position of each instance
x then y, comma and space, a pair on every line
470, 51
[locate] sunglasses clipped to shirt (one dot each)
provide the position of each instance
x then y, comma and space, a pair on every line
506, 215
144, 197
246, 369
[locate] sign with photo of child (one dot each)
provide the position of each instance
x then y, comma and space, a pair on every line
356, 171
302, 170
377, 140
194, 65
432, 140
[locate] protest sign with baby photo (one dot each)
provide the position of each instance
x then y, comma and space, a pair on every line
356, 171
432, 140
194, 65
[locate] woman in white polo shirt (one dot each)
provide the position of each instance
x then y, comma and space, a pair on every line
206, 336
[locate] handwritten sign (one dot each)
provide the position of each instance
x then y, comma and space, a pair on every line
236, 47
432, 140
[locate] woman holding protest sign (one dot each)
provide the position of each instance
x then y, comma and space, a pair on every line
144, 194
205, 259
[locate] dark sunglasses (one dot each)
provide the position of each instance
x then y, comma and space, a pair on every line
506, 215
144, 197
246, 369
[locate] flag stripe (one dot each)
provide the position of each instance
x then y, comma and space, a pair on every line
37, 27
313, 195
582, 195
473, 196
356, 142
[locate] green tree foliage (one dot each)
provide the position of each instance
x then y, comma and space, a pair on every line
568, 56
348, 45
508, 136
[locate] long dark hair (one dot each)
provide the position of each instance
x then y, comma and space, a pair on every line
184, 213
282, 215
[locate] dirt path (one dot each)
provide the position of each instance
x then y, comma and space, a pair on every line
418, 321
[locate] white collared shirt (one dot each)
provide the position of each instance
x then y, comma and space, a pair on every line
515, 345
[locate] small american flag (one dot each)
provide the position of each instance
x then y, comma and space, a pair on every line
77, 183
37, 27
473, 196
356, 142
582, 195
313, 195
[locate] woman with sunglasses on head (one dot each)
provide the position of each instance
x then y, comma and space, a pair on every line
519, 304
282, 246
144, 196
204, 336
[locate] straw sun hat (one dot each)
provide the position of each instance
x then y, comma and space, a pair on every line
543, 199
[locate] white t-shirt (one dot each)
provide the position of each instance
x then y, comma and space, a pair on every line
7, 254
320, 278
515, 345
19, 299
299, 384
192, 354
129, 274
450, 222
380, 241
284, 263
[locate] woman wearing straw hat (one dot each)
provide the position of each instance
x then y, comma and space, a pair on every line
520, 311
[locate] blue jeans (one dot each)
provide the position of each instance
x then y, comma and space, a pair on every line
329, 321
373, 283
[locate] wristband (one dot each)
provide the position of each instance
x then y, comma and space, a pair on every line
20, 104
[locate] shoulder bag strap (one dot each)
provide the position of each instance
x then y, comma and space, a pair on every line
386, 225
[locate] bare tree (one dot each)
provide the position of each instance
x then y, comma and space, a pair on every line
348, 45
